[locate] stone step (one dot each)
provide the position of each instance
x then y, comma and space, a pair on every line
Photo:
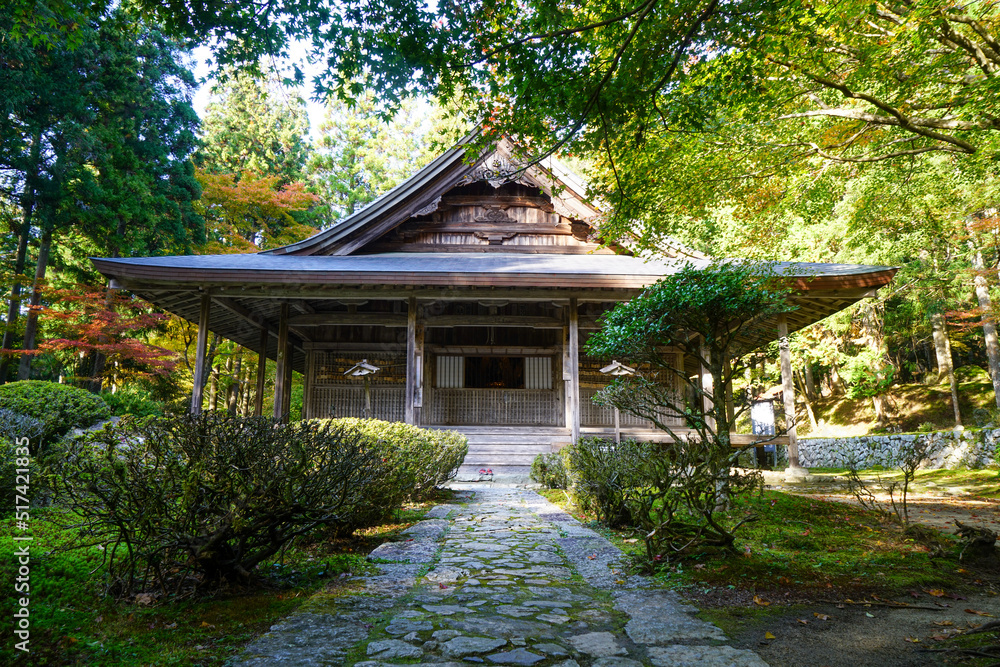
487, 462
508, 449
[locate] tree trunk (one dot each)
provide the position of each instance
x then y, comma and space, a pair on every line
881, 414
808, 402
213, 390
233, 391
989, 327
31, 323
810, 383
837, 384
14, 305
942, 347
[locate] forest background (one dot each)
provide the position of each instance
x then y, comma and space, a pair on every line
852, 132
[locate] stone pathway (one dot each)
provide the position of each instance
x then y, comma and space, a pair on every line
515, 581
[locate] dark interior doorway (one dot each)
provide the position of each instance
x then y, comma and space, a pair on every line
494, 372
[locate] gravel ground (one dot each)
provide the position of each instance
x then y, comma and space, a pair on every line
859, 636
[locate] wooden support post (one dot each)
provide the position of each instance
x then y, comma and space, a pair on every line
707, 387
280, 379
788, 395
414, 364
307, 387
258, 401
573, 393
199, 355
286, 397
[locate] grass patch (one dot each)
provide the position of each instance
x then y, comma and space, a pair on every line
983, 483
73, 623
802, 548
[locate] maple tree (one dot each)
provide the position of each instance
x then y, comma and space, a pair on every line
83, 321
253, 213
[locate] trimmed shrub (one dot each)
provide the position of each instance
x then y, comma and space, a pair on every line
133, 401
422, 458
59, 407
187, 503
14, 427
549, 470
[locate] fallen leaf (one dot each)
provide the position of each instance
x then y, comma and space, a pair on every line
869, 615
935, 592
943, 623
913, 640
206, 624
939, 638
803, 621
620, 582
170, 627
762, 603
768, 635
822, 617
699, 566
977, 613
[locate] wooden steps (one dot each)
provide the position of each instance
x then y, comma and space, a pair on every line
508, 451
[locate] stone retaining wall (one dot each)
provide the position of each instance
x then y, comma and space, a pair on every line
947, 449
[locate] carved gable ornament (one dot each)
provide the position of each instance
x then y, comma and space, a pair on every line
494, 214
496, 170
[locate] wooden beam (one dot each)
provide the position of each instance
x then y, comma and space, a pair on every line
348, 319
200, 352
788, 392
283, 362
534, 322
487, 351
745, 439
258, 403
256, 320
391, 292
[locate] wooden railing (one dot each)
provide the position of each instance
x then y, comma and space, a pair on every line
489, 407
592, 414
388, 402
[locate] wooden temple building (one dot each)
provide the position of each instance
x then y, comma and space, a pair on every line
472, 287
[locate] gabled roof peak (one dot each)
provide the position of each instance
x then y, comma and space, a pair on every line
421, 195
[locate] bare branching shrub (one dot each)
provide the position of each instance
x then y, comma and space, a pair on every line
186, 503
907, 459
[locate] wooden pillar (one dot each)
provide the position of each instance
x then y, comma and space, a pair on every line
573, 388
258, 401
414, 364
707, 386
788, 393
280, 379
286, 397
200, 353
307, 380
